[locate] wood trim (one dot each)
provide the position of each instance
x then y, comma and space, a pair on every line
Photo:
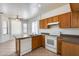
59, 45
18, 47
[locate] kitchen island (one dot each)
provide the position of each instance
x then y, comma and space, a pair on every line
23, 44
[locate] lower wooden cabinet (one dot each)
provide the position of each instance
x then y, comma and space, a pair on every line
38, 41
43, 41
70, 49
34, 42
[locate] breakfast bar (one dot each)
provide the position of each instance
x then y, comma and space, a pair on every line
23, 44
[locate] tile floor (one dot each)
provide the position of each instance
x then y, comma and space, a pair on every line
41, 52
8, 49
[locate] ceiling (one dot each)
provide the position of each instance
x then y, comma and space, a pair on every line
27, 10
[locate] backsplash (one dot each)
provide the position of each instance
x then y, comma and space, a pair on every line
71, 31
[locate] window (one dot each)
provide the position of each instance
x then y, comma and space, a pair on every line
4, 27
35, 27
24, 28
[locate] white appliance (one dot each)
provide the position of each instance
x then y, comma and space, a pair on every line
51, 39
51, 43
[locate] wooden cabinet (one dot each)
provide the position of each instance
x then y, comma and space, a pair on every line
75, 20
59, 45
34, 42
50, 20
55, 19
67, 20
74, 6
70, 49
38, 41
78, 21
64, 20
43, 24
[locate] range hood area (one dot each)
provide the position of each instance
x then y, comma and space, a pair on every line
53, 23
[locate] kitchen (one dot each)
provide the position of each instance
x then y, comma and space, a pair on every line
55, 28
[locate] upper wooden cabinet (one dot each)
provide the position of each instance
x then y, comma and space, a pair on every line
55, 19
43, 24
78, 20
67, 20
74, 6
64, 20
50, 20
75, 20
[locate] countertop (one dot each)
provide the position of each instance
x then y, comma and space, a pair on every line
50, 34
24, 36
70, 38
70, 35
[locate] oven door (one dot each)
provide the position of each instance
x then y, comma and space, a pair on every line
51, 42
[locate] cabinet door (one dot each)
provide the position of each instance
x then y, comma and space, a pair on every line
55, 19
39, 41
78, 21
45, 24
74, 6
74, 19
34, 43
25, 45
50, 20
64, 20
43, 41
41, 24
70, 49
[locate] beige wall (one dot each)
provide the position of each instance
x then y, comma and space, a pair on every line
63, 9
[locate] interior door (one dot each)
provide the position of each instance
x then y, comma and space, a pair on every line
15, 27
